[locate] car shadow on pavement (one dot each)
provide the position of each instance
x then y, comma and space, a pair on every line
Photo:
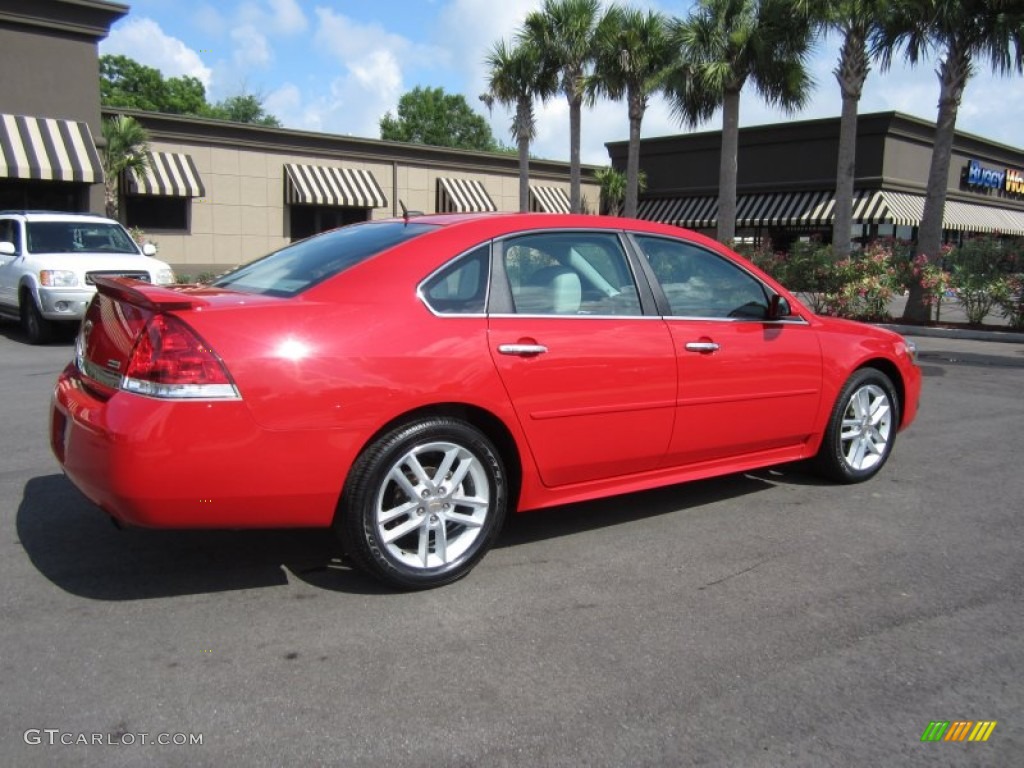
62, 337
74, 545
569, 519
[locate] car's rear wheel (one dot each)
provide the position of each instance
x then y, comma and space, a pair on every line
862, 428
423, 503
38, 330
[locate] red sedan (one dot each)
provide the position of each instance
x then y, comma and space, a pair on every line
408, 381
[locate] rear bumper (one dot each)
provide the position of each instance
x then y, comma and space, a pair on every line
163, 464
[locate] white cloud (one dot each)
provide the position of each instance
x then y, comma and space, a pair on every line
142, 39
209, 21
250, 48
277, 17
374, 63
288, 16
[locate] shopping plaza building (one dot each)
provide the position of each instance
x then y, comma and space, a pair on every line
218, 193
787, 178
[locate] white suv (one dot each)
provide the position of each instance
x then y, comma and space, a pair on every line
48, 262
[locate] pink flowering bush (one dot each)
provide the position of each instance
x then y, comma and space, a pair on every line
867, 281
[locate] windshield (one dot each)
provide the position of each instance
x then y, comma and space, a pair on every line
78, 237
304, 264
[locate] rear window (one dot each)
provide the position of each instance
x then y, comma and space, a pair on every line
300, 266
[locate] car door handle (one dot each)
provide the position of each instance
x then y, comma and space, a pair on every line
701, 346
522, 350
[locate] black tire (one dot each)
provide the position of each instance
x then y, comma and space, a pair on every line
37, 329
872, 439
446, 548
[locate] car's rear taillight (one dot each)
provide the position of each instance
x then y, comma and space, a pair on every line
169, 360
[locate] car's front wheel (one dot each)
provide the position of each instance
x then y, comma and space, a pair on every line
862, 428
423, 503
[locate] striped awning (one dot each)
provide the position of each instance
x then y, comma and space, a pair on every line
784, 209
549, 200
907, 210
327, 185
695, 212
903, 210
48, 149
463, 196
168, 174
818, 209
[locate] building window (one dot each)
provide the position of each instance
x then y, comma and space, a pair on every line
157, 212
308, 220
18, 194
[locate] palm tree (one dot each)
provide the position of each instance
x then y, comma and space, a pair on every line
964, 32
518, 76
127, 148
730, 42
633, 57
563, 30
613, 189
856, 21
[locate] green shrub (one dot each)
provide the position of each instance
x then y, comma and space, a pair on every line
977, 272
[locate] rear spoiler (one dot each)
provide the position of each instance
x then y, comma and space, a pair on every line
156, 298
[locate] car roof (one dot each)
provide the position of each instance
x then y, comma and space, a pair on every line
500, 224
59, 216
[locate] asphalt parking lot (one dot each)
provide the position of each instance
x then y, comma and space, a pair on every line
756, 620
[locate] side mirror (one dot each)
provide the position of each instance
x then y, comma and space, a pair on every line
778, 308
7, 249
149, 249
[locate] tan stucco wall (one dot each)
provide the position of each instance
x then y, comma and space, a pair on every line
244, 214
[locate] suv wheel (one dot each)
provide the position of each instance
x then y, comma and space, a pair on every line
37, 328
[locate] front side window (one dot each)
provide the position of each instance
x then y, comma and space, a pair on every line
298, 267
699, 283
570, 273
9, 233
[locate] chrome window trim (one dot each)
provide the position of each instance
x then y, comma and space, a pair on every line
505, 315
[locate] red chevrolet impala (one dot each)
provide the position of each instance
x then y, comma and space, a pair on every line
408, 381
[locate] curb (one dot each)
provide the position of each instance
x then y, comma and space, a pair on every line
1006, 337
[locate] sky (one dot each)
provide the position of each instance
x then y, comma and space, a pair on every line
337, 66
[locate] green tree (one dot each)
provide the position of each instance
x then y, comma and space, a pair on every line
634, 56
856, 22
244, 108
965, 33
518, 75
126, 83
125, 150
564, 31
727, 43
431, 116
613, 188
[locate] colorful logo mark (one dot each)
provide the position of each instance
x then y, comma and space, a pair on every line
959, 730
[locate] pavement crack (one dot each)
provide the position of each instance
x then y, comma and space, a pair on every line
737, 573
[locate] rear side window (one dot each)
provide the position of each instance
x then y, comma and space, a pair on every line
300, 266
461, 287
